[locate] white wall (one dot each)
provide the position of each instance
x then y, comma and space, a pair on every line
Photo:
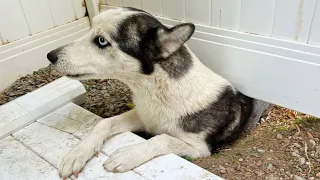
251, 49
292, 20
23, 18
29, 29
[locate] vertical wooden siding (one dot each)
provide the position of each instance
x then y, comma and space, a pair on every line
292, 20
22, 18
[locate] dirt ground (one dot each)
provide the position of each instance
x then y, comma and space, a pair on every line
284, 146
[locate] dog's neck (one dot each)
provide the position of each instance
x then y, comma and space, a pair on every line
198, 86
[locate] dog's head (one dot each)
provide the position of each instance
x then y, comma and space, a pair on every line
121, 41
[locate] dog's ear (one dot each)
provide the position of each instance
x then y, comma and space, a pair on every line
172, 39
163, 42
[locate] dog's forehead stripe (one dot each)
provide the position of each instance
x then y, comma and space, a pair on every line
108, 20
129, 33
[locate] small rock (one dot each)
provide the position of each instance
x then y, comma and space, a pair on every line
297, 145
240, 160
279, 136
294, 154
312, 143
270, 166
296, 177
318, 149
312, 178
271, 177
316, 139
259, 173
259, 163
302, 161
262, 151
269, 159
222, 169
318, 175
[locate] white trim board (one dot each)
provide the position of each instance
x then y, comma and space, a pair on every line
274, 70
32, 59
40, 35
83, 24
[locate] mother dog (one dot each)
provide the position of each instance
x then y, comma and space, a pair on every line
189, 108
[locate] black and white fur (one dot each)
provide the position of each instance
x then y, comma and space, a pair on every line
189, 108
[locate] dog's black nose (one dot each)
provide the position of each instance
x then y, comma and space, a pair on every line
53, 56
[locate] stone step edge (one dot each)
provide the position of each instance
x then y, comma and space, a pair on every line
27, 109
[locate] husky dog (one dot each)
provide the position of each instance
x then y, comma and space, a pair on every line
190, 109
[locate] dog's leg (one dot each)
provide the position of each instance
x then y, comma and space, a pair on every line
76, 159
127, 158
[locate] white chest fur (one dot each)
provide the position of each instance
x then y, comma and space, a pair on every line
162, 101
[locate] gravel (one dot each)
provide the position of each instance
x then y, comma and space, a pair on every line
296, 177
302, 161
262, 151
105, 98
279, 136
28, 83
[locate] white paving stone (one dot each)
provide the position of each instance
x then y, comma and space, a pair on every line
86, 128
73, 90
33, 104
168, 167
14, 125
172, 167
56, 99
51, 144
53, 135
29, 101
26, 109
119, 141
10, 112
73, 119
95, 171
19, 163
53, 87
61, 123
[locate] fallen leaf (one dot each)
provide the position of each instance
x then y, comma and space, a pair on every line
259, 163
309, 135
298, 129
291, 114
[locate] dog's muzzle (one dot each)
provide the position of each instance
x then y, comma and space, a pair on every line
53, 56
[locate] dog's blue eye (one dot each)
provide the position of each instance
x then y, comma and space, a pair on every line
101, 42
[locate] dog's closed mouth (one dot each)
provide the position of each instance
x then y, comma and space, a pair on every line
78, 75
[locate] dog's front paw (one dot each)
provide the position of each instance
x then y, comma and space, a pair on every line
75, 160
127, 158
